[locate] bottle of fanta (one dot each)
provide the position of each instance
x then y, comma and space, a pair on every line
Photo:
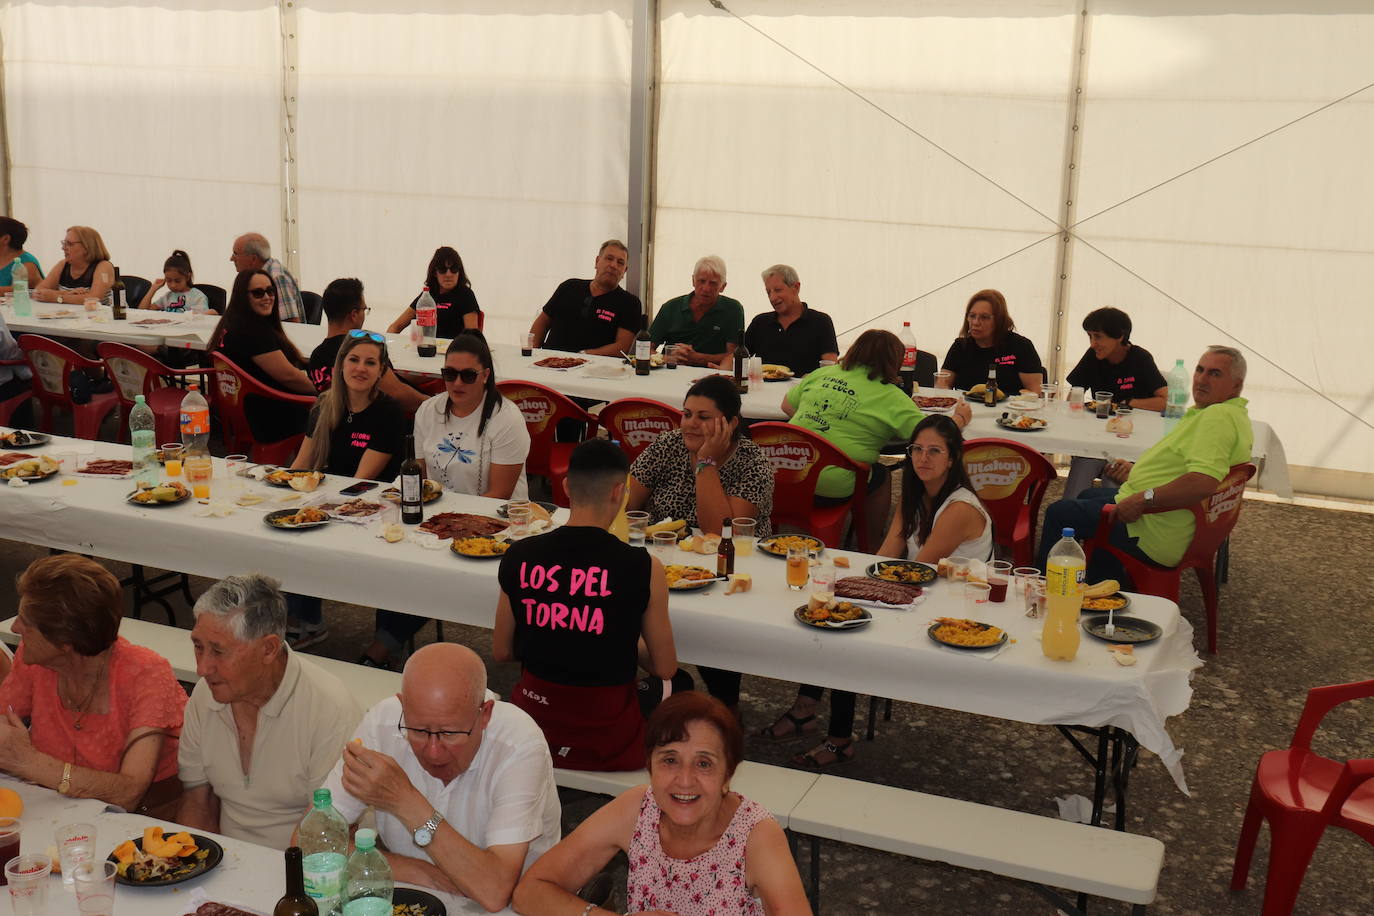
1064, 574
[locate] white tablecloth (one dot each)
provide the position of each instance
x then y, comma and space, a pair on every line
251, 877
752, 631
1069, 433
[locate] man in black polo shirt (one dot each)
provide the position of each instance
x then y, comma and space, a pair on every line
592, 316
792, 335
346, 310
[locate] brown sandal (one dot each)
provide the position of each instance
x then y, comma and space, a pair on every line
810, 761
798, 728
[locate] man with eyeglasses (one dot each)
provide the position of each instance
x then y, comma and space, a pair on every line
592, 316
263, 726
345, 310
461, 782
252, 251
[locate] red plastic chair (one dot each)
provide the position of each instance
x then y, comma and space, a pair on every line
135, 372
52, 365
1010, 480
798, 456
1300, 793
636, 422
543, 409
232, 386
10, 405
1214, 518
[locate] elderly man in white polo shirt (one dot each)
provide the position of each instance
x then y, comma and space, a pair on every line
263, 727
462, 783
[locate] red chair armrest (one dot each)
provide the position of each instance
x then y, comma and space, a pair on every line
206, 371
13, 362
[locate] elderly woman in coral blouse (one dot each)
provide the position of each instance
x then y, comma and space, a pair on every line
85, 712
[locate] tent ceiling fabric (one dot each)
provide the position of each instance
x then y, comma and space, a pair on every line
803, 133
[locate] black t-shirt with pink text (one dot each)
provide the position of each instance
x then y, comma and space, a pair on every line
578, 595
380, 427
1136, 376
969, 362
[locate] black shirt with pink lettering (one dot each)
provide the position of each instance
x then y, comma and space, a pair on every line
578, 596
381, 426
1136, 376
969, 362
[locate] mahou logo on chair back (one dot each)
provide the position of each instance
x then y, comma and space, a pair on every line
789, 457
995, 472
535, 408
643, 426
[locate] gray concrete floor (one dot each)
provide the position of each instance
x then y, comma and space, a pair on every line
1296, 614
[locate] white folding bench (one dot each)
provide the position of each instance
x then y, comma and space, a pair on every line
1047, 852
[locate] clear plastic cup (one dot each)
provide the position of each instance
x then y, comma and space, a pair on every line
1025, 576
665, 543
75, 845
638, 522
742, 533
1125, 422
95, 888
822, 585
944, 379
171, 458
958, 568
10, 828
518, 514
976, 598
1103, 402
27, 877
1075, 398
999, 578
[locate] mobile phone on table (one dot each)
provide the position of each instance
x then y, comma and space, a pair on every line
358, 488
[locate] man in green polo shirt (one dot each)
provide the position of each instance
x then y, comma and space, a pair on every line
703, 324
1177, 472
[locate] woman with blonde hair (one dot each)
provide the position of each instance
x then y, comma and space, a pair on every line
85, 271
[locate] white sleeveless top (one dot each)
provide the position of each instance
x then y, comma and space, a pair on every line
979, 548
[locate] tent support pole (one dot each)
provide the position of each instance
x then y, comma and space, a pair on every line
1059, 329
290, 84
643, 129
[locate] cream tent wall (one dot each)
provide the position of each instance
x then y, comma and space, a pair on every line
1201, 164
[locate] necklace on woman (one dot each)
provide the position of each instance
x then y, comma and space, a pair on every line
85, 705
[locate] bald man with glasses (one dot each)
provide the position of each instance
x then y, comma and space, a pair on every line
462, 783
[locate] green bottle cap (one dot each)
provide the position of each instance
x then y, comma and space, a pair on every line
323, 799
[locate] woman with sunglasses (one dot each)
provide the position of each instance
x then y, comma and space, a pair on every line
85, 271
250, 333
456, 305
940, 516
470, 439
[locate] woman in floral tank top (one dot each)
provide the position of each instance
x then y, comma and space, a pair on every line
695, 848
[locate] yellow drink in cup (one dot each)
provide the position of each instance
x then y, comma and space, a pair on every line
171, 458
173, 467
198, 474
742, 533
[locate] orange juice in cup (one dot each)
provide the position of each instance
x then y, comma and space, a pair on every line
171, 458
198, 474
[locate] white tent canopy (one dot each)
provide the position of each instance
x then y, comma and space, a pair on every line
1202, 165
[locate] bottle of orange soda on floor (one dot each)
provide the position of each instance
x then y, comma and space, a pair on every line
1064, 574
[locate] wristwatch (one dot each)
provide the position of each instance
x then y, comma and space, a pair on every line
1150, 496
424, 834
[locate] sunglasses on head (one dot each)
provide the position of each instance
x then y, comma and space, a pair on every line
359, 334
452, 375
261, 292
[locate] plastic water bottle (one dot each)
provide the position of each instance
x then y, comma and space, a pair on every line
1065, 571
323, 837
1178, 396
427, 317
908, 339
143, 434
369, 885
23, 305
195, 423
